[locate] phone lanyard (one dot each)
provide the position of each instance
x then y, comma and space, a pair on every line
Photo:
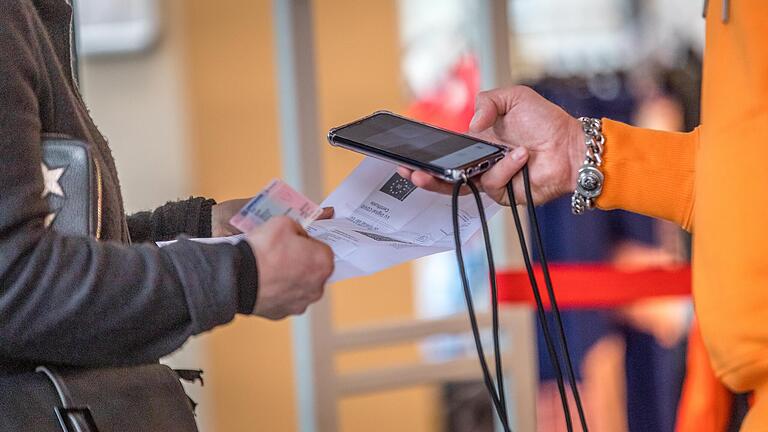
496, 392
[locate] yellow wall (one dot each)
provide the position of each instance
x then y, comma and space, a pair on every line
233, 126
229, 74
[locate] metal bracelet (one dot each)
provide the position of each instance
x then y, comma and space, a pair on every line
589, 184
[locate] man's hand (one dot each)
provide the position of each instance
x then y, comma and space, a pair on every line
537, 131
222, 212
292, 268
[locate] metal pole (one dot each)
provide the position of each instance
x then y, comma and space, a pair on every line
521, 377
297, 96
302, 168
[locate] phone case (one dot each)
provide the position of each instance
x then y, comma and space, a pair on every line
450, 175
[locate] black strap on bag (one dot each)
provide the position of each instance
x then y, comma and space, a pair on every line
72, 418
132, 398
496, 389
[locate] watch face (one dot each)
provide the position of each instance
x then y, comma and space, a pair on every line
590, 182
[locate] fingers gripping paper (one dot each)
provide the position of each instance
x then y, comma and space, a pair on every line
381, 219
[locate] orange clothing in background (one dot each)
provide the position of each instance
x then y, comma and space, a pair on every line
705, 405
713, 182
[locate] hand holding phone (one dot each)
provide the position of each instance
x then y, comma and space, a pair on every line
537, 132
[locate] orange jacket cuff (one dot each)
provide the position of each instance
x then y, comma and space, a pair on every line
649, 172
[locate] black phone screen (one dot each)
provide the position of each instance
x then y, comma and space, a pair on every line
415, 141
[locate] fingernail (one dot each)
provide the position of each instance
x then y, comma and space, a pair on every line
517, 153
474, 118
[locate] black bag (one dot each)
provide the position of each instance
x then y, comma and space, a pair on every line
47, 398
124, 399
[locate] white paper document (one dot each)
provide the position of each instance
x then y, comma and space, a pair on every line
381, 219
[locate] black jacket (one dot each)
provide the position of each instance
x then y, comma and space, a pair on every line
75, 300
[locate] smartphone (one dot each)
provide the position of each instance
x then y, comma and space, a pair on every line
448, 155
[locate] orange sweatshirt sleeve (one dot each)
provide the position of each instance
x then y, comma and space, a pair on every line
649, 172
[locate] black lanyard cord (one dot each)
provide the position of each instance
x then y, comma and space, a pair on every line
540, 310
495, 392
554, 358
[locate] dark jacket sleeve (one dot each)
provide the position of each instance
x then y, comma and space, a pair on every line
191, 217
75, 300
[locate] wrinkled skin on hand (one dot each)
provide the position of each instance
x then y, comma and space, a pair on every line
293, 268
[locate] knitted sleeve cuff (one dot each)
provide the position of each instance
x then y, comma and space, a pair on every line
649, 172
191, 217
204, 228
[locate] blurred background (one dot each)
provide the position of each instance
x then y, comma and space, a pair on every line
190, 94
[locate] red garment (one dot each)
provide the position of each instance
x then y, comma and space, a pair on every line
451, 104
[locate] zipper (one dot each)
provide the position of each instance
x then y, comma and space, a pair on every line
98, 198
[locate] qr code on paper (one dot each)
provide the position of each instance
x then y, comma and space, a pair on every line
398, 187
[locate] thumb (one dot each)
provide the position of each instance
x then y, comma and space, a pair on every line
486, 113
496, 179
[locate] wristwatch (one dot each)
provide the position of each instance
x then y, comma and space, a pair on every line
589, 184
